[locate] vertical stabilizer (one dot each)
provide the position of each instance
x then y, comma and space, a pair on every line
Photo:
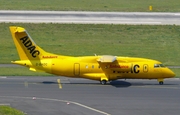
26, 47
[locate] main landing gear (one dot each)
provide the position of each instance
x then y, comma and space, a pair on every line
103, 82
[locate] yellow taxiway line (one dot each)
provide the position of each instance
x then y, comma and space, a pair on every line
26, 84
59, 83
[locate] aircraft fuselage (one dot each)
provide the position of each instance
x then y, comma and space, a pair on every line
88, 67
102, 68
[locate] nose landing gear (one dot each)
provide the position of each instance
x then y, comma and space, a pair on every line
161, 81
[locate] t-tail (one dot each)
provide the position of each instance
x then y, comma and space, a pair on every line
30, 54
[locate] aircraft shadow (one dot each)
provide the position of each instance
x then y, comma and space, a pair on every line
80, 83
49, 82
120, 84
123, 84
117, 84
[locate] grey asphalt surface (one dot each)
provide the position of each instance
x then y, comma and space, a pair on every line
69, 96
147, 18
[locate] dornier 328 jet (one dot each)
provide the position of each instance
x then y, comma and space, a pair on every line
102, 68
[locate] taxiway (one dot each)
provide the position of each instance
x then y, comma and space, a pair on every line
67, 96
80, 17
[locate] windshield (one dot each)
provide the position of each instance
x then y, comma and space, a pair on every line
159, 65
162, 65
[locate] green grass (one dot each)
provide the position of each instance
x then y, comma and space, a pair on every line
6, 110
20, 71
176, 71
155, 42
92, 5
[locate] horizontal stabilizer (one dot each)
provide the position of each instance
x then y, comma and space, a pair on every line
107, 59
34, 69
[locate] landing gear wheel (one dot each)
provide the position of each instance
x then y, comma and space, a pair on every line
161, 83
103, 82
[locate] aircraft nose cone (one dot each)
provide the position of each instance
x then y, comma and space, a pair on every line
171, 73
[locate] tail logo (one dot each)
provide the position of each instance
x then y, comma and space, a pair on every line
29, 45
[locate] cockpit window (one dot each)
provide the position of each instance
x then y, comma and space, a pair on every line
162, 65
156, 65
159, 65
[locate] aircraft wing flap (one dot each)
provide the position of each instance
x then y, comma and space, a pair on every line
107, 59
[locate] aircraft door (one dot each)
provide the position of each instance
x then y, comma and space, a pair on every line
76, 69
145, 68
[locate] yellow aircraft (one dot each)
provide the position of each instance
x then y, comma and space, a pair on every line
102, 68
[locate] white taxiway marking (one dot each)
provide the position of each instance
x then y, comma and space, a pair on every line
65, 101
4, 104
177, 14
3, 77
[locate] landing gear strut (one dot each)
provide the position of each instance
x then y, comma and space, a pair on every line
160, 81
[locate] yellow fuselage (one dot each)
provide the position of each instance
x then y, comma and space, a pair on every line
102, 68
88, 67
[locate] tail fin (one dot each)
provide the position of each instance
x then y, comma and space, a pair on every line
26, 47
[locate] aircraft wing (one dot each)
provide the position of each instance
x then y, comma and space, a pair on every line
107, 59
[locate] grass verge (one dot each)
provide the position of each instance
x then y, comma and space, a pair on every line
6, 110
155, 42
20, 71
93, 5
176, 71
